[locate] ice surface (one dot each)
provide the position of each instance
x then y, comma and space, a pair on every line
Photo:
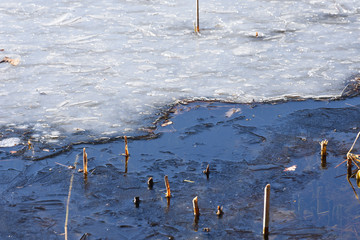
109, 66
9, 142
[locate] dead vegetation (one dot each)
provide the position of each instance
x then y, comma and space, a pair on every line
13, 62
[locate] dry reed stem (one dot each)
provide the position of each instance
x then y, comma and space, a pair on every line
323, 145
126, 146
266, 210
150, 182
13, 62
196, 206
136, 201
30, 145
68, 200
85, 162
207, 171
168, 193
219, 211
353, 143
197, 28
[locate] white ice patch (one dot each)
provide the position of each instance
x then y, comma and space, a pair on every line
110, 66
9, 142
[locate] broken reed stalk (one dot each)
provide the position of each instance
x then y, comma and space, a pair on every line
207, 171
266, 210
197, 28
219, 211
126, 146
168, 193
196, 207
136, 201
85, 162
30, 145
323, 145
150, 182
13, 62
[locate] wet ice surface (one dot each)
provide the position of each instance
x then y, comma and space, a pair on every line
246, 145
107, 67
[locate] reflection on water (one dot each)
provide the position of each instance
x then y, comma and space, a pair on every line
245, 151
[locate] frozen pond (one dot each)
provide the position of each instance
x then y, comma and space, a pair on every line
91, 72
108, 67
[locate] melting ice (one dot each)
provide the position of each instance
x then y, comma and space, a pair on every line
109, 66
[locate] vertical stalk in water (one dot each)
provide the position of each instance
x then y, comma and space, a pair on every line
126, 163
126, 147
85, 162
207, 171
168, 193
266, 210
150, 182
323, 145
219, 211
196, 207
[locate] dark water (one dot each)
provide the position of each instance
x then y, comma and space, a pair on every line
246, 146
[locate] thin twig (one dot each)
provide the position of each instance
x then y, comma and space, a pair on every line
354, 143
68, 200
340, 163
85, 162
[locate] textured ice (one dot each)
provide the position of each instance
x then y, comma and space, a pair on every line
9, 142
107, 66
